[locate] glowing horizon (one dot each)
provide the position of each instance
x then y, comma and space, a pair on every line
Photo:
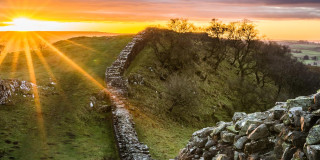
278, 20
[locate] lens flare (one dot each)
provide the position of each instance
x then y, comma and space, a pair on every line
14, 64
42, 59
73, 64
6, 49
35, 89
26, 24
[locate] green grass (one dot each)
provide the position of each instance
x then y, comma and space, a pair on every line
307, 49
304, 46
147, 96
219, 93
164, 137
164, 132
73, 130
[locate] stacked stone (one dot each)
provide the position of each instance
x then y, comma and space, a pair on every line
130, 148
114, 73
11, 87
288, 131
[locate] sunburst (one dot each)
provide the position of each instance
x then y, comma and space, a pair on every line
27, 24
29, 41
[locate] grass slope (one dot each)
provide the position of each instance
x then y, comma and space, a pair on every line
73, 131
167, 132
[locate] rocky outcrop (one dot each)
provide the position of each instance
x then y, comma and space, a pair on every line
129, 146
288, 131
9, 88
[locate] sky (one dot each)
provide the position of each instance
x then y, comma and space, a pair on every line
276, 19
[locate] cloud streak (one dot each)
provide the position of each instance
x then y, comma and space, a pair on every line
266, 2
151, 10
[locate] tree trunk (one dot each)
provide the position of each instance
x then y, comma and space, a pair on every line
278, 92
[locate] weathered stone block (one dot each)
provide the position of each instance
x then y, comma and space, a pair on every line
257, 146
314, 135
220, 127
239, 144
227, 137
238, 115
260, 132
304, 102
313, 152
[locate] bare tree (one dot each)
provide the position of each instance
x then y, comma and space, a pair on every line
180, 25
243, 38
173, 50
217, 29
215, 44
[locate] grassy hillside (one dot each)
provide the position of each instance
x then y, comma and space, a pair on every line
53, 36
175, 88
73, 130
166, 132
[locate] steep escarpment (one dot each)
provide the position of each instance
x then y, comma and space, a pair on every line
289, 130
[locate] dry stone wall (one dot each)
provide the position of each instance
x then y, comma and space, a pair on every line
288, 131
114, 74
129, 146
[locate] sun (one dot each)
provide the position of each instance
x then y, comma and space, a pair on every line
27, 24
23, 24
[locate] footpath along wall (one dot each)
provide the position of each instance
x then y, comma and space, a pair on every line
129, 146
288, 131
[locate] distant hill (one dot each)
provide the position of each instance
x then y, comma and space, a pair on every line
54, 36
51, 36
304, 51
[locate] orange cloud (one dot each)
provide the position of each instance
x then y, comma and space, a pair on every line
131, 16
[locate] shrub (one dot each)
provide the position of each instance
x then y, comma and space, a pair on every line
181, 92
173, 50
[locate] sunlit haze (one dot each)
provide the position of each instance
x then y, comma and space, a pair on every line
275, 19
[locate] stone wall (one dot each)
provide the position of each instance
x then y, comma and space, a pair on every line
129, 146
114, 73
288, 131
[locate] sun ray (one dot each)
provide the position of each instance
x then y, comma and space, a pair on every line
22, 9
6, 49
42, 59
78, 68
15, 58
70, 62
14, 64
5, 36
46, 65
35, 89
